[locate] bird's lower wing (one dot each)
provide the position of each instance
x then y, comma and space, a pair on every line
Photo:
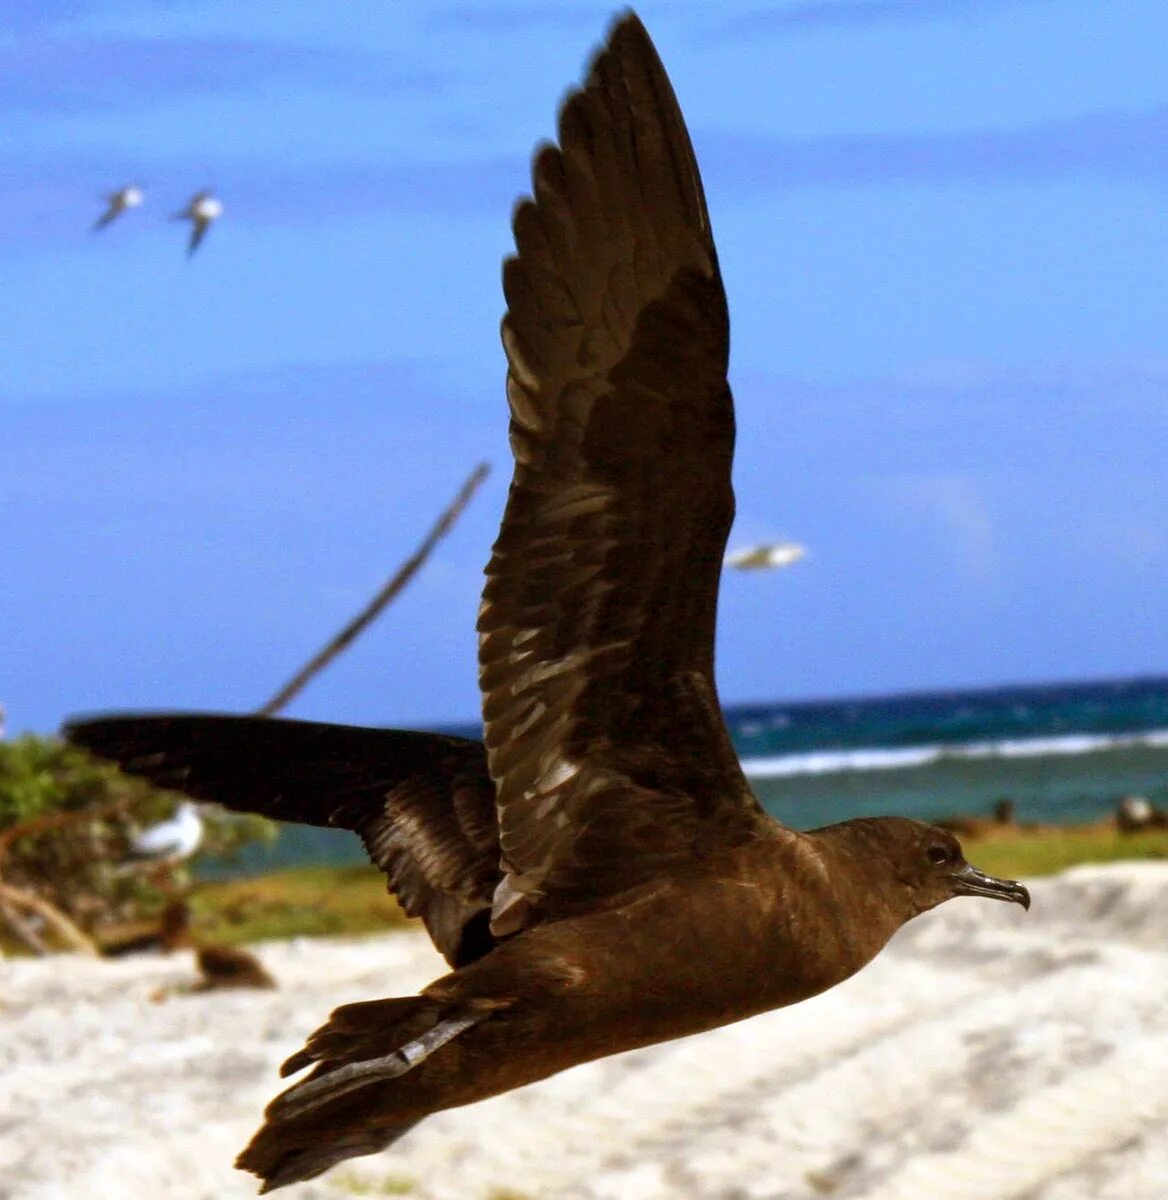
422, 803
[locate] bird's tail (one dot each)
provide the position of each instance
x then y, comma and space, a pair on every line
344, 1107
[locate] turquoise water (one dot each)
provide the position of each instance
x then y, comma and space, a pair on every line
1062, 753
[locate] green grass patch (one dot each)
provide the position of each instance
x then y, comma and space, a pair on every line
1016, 853
297, 902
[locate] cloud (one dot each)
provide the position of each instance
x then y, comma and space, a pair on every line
1053, 433
956, 506
830, 14
1126, 146
84, 74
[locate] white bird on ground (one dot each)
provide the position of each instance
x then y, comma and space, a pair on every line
176, 838
119, 202
202, 211
760, 558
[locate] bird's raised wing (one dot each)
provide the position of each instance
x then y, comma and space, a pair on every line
604, 734
422, 803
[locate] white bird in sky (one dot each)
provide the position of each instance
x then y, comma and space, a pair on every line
766, 556
119, 202
202, 210
178, 837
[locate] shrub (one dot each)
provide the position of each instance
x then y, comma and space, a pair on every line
76, 862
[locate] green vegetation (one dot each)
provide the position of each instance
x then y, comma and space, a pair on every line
66, 822
297, 902
1021, 853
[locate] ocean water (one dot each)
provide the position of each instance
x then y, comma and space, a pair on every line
1063, 753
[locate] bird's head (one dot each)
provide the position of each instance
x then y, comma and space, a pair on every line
913, 865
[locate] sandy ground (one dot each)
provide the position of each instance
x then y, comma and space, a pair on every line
987, 1054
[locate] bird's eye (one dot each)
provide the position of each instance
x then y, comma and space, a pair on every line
939, 854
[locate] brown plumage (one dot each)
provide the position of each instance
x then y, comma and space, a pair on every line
219, 966
601, 877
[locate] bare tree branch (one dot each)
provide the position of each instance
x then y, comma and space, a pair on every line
371, 611
50, 914
13, 898
22, 930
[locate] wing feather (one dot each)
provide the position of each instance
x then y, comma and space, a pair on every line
604, 734
422, 803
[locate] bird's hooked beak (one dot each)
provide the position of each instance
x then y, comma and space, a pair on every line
969, 881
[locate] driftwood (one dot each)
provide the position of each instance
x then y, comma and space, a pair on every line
15, 900
388, 592
22, 930
19, 898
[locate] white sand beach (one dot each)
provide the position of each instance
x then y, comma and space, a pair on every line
988, 1054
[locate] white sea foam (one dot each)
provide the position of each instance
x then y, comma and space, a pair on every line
876, 758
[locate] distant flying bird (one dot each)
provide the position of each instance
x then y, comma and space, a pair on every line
761, 558
119, 202
174, 839
202, 211
597, 871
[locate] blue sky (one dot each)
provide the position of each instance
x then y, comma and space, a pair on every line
942, 226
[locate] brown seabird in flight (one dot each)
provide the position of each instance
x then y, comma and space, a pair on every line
601, 877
